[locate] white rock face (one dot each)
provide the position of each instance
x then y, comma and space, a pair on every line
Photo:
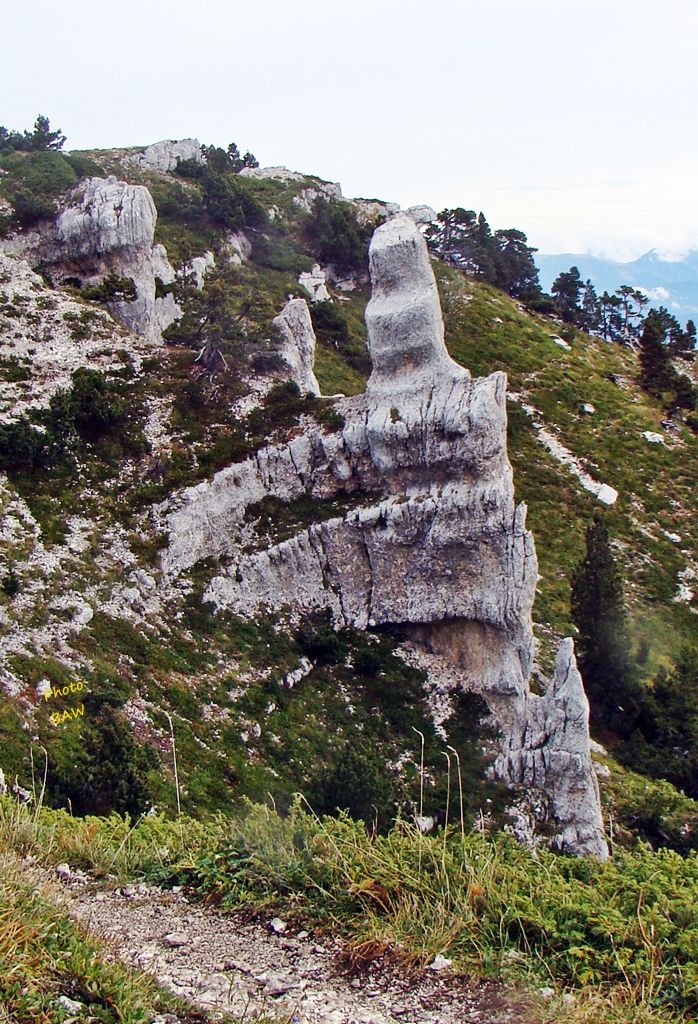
405, 328
331, 191
109, 228
237, 247
421, 214
166, 309
199, 267
280, 173
315, 283
368, 211
166, 156
297, 349
443, 551
110, 215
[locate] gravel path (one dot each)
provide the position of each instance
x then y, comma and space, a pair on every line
223, 962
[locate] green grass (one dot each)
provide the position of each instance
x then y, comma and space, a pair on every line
334, 374
620, 937
44, 955
629, 925
656, 483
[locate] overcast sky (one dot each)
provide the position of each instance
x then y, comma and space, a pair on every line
575, 122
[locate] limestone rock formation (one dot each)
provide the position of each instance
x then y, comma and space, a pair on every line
421, 214
369, 211
166, 156
109, 216
280, 173
315, 283
197, 268
330, 191
405, 328
297, 348
42, 337
108, 228
440, 546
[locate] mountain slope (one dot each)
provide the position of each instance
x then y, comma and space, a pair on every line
670, 283
83, 593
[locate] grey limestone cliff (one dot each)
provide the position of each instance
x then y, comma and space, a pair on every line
439, 546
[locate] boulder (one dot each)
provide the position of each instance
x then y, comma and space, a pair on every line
109, 216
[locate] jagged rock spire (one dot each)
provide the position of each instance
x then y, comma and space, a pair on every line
405, 326
440, 547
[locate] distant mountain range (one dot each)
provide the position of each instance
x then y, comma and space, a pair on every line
673, 284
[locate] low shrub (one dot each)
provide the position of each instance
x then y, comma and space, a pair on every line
112, 288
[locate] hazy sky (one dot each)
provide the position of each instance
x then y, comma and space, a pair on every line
575, 122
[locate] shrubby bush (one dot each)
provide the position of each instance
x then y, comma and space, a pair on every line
337, 237
105, 770
33, 181
329, 323
84, 166
112, 288
230, 204
90, 409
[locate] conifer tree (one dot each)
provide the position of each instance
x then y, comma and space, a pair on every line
566, 290
656, 369
603, 647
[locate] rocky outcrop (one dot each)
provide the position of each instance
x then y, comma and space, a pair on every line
280, 173
197, 269
236, 248
42, 337
165, 307
109, 216
109, 228
421, 214
442, 550
297, 344
328, 191
403, 317
370, 211
315, 283
166, 156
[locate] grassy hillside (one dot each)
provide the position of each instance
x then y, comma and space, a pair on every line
610, 943
163, 677
222, 680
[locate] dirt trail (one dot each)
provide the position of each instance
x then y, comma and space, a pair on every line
222, 962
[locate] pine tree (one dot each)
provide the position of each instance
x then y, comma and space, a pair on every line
566, 290
610, 319
656, 369
590, 316
603, 647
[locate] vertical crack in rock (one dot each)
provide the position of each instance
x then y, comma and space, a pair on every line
445, 554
